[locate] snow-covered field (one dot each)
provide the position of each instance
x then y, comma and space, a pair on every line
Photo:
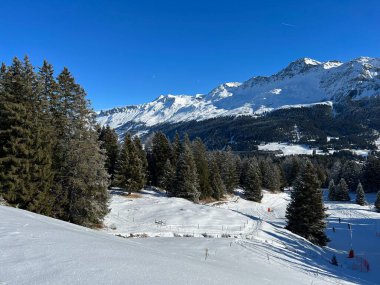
245, 244
288, 149
285, 149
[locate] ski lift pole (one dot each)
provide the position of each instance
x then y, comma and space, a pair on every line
351, 234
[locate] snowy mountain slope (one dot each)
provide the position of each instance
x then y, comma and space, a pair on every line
256, 231
304, 81
40, 250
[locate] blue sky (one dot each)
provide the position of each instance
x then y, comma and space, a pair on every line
129, 52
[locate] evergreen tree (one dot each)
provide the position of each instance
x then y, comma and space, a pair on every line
332, 191
25, 155
377, 202
351, 172
342, 193
271, 176
228, 170
167, 178
142, 155
306, 213
161, 151
176, 148
291, 166
199, 153
360, 195
186, 180
336, 170
252, 185
130, 174
41, 173
80, 183
109, 142
371, 177
216, 183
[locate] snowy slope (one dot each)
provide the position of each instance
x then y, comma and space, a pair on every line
40, 250
250, 227
304, 81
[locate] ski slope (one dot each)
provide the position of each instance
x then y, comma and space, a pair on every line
245, 244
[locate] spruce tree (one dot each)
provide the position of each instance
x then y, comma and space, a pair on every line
332, 191
228, 170
199, 153
109, 142
25, 156
16, 127
216, 183
161, 151
80, 183
176, 149
360, 195
306, 213
186, 180
130, 172
351, 172
371, 177
290, 167
342, 193
271, 176
142, 155
42, 144
252, 185
377, 202
167, 178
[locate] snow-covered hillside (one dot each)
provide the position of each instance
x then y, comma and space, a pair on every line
245, 244
304, 81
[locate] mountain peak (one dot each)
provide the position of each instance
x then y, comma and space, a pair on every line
299, 66
304, 81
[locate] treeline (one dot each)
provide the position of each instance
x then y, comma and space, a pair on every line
353, 122
54, 159
50, 157
187, 169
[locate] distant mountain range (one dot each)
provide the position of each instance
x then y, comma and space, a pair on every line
304, 82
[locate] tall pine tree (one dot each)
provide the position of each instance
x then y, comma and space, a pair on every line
342, 192
360, 195
186, 183
81, 179
306, 212
252, 183
109, 142
216, 183
130, 172
332, 191
199, 153
161, 151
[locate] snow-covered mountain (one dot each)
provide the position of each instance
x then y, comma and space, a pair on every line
304, 81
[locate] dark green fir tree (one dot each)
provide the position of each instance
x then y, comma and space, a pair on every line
216, 183
252, 185
130, 172
332, 191
342, 192
360, 195
186, 183
306, 212
109, 142
200, 153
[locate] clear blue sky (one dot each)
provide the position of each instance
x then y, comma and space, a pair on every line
129, 52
